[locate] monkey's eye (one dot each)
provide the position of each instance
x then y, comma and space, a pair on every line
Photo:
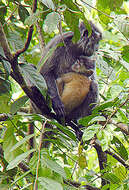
85, 33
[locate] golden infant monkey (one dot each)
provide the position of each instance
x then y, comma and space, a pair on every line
74, 86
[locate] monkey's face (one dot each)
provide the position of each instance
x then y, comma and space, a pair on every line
89, 44
79, 67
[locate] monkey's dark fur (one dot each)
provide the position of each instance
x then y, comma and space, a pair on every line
62, 60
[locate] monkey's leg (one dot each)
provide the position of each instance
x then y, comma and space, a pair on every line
54, 94
60, 84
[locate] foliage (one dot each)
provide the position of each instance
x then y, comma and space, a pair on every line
66, 164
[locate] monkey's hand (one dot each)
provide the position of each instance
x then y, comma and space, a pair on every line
58, 107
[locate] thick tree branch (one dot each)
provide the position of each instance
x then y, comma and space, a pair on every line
31, 93
17, 76
102, 157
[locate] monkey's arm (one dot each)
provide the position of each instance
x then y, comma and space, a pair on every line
91, 99
54, 94
49, 72
65, 37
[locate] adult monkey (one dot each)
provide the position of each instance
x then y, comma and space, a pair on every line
60, 63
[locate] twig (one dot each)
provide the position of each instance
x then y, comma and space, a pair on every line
10, 17
77, 185
114, 112
41, 38
39, 152
29, 37
123, 127
97, 9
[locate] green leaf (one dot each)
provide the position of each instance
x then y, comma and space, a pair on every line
125, 64
49, 4
120, 148
21, 177
5, 86
51, 22
49, 184
7, 68
45, 172
15, 106
23, 13
105, 138
121, 172
85, 120
98, 118
65, 130
19, 159
73, 27
53, 165
125, 53
31, 74
49, 54
90, 132
115, 90
4, 103
111, 177
105, 7
122, 116
21, 142
33, 18
3, 12
82, 161
103, 106
122, 22
8, 142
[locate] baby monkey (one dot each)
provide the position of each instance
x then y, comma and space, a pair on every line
74, 86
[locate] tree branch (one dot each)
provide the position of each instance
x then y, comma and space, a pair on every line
29, 37
123, 127
102, 157
17, 76
115, 111
77, 185
118, 158
27, 43
41, 38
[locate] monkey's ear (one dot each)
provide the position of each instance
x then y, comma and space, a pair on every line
68, 35
85, 33
85, 29
81, 26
